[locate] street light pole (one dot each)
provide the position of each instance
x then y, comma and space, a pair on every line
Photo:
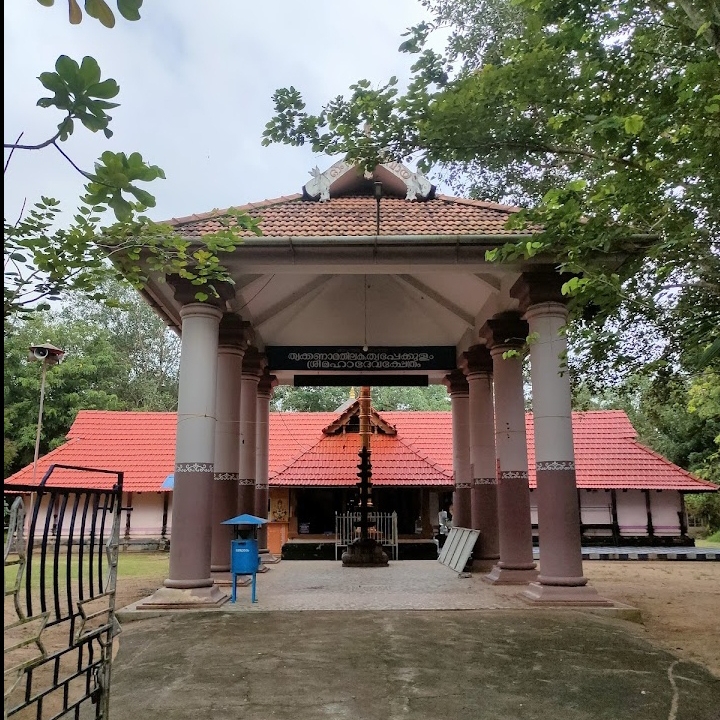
39, 422
48, 355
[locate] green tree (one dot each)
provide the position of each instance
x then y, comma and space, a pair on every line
117, 358
329, 399
601, 119
46, 256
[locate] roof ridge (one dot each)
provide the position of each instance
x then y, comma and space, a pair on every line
302, 455
28, 468
652, 452
479, 203
425, 459
217, 212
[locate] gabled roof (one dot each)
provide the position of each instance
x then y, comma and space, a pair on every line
142, 445
356, 215
352, 410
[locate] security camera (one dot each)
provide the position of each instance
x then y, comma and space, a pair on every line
46, 353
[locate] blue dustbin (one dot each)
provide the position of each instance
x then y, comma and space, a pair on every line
244, 552
245, 557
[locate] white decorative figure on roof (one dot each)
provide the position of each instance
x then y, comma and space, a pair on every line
417, 186
319, 185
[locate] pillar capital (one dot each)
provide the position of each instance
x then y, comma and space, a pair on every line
235, 332
254, 363
186, 293
543, 285
476, 360
266, 385
505, 331
456, 383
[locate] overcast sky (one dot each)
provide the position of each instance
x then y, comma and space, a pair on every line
196, 80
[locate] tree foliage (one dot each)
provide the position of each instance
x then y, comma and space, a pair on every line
119, 356
45, 255
329, 399
601, 119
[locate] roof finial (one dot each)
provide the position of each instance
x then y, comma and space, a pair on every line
352, 393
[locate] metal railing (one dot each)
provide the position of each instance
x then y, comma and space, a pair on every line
383, 529
58, 652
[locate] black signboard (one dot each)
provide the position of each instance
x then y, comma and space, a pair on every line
338, 380
354, 359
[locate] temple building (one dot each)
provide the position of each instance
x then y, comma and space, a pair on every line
369, 279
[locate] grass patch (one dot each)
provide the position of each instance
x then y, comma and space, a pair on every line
711, 541
142, 564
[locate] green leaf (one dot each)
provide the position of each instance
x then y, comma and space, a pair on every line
106, 89
99, 10
634, 124
89, 71
130, 9
67, 68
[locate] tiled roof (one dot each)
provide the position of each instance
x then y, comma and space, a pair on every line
293, 216
332, 462
142, 445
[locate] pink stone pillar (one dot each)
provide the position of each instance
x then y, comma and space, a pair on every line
506, 334
232, 345
561, 576
478, 364
262, 491
458, 387
253, 366
189, 583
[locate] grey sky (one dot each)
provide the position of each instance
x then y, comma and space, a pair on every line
196, 80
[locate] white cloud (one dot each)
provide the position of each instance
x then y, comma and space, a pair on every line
196, 81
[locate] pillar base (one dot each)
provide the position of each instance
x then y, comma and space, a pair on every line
565, 595
511, 576
222, 568
184, 599
364, 553
484, 564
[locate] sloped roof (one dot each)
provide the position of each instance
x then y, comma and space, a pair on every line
352, 409
142, 445
356, 215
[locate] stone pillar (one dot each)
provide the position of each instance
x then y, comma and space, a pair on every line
561, 577
506, 335
189, 583
252, 369
478, 365
262, 492
232, 345
458, 387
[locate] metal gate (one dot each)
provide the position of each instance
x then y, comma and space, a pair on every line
60, 624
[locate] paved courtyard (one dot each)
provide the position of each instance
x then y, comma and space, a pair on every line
410, 641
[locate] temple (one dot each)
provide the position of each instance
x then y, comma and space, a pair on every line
369, 279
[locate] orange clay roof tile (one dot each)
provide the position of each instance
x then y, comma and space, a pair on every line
293, 216
142, 446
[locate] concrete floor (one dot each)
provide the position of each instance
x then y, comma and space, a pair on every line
410, 641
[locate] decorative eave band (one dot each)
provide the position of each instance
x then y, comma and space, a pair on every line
194, 467
246, 481
513, 475
485, 481
567, 465
463, 485
232, 476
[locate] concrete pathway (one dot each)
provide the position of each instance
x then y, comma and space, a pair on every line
410, 641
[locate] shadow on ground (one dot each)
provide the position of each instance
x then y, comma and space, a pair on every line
419, 664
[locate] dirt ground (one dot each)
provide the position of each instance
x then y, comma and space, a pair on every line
679, 602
